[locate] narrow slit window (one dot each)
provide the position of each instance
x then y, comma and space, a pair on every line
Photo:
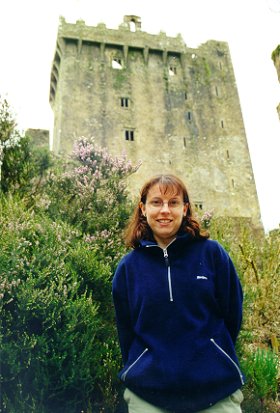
185, 142
222, 124
217, 91
124, 102
189, 116
129, 135
232, 183
186, 95
198, 205
227, 154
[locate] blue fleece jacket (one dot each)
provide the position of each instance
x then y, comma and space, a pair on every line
178, 312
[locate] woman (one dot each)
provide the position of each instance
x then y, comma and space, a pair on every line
178, 305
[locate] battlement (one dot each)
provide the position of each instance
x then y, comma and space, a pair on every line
122, 36
125, 39
78, 35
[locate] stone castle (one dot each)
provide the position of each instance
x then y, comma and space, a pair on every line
153, 98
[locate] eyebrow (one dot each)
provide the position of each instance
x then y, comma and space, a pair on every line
159, 197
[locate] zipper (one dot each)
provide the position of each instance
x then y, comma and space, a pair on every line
168, 274
232, 361
166, 259
123, 376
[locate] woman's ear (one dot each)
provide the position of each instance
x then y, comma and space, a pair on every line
142, 206
186, 207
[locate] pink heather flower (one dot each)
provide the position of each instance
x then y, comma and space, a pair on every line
91, 155
206, 218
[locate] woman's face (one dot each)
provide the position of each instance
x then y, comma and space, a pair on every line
164, 213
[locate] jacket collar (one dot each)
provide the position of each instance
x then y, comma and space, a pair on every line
181, 237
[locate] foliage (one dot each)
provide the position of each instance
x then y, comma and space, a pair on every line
90, 192
9, 136
262, 368
57, 322
57, 256
275, 54
21, 167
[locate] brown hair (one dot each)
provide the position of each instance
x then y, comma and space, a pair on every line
138, 227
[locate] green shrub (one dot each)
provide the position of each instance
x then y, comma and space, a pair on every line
59, 346
262, 371
58, 252
89, 192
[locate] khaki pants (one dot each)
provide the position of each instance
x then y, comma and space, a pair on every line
230, 404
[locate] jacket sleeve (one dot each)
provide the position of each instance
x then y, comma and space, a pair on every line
122, 311
229, 292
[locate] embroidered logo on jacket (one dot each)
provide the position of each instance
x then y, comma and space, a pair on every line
201, 277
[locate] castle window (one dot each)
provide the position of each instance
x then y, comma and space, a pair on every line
222, 124
172, 70
227, 154
188, 117
117, 63
220, 65
124, 102
185, 142
217, 91
129, 135
232, 183
186, 95
198, 205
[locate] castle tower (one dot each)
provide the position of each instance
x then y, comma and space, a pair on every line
173, 107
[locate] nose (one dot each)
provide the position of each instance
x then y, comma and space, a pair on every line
165, 207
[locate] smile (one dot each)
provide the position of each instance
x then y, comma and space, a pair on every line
164, 221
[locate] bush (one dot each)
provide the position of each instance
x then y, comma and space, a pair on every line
262, 368
90, 191
58, 341
58, 253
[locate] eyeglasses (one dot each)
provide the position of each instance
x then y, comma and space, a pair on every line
172, 203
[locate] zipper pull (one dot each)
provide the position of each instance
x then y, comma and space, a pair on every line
166, 257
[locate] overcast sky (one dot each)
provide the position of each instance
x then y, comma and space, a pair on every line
28, 30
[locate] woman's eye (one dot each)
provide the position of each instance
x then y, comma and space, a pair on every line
156, 202
174, 203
